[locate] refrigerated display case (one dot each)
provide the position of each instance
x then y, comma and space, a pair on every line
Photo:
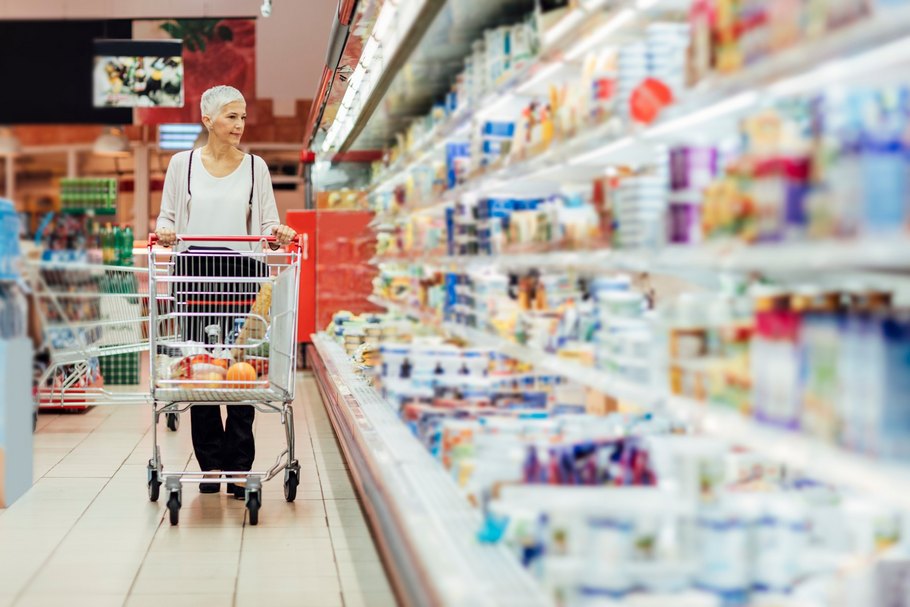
696, 213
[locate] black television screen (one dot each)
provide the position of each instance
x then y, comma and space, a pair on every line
47, 71
138, 73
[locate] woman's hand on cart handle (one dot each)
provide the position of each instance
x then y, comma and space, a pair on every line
283, 235
166, 237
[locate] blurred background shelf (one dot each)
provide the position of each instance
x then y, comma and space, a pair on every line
885, 480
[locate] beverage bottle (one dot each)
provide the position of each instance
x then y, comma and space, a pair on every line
126, 251
107, 245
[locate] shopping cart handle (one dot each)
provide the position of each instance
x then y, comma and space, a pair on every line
153, 238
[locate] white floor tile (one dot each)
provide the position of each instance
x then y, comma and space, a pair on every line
225, 599
56, 600
86, 533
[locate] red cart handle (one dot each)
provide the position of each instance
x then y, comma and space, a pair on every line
153, 239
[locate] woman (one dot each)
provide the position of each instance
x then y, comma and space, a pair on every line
219, 190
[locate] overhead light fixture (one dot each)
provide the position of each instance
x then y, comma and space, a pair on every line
9, 143
266, 9
111, 142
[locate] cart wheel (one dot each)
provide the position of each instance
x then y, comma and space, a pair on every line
154, 486
173, 506
252, 504
290, 486
173, 421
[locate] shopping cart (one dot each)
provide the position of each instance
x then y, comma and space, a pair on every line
87, 312
223, 332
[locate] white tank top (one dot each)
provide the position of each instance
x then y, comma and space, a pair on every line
220, 205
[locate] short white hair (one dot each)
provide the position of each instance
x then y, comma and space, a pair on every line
214, 99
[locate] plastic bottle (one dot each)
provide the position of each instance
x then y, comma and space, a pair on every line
106, 236
884, 167
126, 247
819, 346
774, 359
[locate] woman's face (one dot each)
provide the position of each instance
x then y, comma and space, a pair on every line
228, 126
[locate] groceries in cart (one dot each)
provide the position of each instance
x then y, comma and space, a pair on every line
240, 362
206, 372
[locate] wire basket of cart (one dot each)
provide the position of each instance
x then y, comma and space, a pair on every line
88, 313
223, 332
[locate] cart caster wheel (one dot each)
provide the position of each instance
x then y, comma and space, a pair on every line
173, 421
253, 502
173, 506
154, 486
290, 486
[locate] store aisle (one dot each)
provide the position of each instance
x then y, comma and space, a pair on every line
86, 533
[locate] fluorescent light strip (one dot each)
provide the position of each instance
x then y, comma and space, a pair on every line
610, 148
621, 19
729, 106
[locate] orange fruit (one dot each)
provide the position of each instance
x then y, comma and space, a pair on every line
241, 372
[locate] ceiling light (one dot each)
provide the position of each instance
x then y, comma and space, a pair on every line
111, 142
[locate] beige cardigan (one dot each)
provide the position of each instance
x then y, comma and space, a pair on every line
174, 199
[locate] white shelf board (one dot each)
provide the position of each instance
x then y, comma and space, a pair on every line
887, 253
823, 461
432, 519
595, 379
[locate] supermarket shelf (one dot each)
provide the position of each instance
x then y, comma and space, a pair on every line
587, 376
426, 528
872, 42
418, 315
826, 462
886, 253
557, 40
596, 379
888, 481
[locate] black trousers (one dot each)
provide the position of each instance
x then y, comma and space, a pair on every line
218, 445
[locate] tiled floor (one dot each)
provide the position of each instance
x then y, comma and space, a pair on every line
86, 533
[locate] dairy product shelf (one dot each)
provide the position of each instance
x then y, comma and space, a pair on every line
885, 480
426, 526
876, 42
